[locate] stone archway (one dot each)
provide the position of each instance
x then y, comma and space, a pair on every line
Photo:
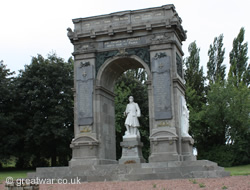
104, 47
149, 39
104, 98
115, 66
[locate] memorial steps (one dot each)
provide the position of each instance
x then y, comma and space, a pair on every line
134, 172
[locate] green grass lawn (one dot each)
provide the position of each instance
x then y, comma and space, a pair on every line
239, 170
13, 173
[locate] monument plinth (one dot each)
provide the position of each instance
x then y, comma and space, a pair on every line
187, 149
131, 150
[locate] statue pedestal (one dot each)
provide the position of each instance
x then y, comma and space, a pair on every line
163, 142
187, 149
131, 150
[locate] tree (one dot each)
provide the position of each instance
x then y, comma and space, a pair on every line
215, 136
132, 82
6, 116
44, 111
216, 71
194, 78
195, 96
238, 118
239, 69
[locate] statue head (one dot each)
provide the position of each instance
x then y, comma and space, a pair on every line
131, 99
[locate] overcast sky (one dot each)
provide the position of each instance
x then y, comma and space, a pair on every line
31, 27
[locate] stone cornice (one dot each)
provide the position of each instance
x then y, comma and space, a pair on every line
127, 22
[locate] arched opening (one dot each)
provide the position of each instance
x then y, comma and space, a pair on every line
105, 106
132, 82
115, 66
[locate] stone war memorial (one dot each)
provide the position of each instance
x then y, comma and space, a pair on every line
105, 47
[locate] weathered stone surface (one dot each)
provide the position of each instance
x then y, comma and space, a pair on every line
187, 149
131, 151
125, 42
162, 86
142, 52
128, 22
179, 65
133, 172
85, 85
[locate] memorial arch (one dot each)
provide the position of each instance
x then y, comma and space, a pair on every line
104, 47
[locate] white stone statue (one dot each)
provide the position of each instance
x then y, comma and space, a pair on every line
132, 112
184, 118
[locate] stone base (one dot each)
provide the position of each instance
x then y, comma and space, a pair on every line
134, 172
162, 157
85, 152
163, 144
79, 162
131, 151
187, 149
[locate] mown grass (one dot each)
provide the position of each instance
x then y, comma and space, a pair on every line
239, 170
15, 174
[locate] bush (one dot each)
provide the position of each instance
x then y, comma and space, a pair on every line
223, 155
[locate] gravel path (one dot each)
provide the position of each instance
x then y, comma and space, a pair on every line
234, 183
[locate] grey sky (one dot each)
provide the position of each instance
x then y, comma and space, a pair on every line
29, 27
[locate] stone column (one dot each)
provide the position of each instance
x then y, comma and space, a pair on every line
85, 143
163, 136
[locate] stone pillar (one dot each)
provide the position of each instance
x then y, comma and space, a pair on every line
163, 138
85, 144
131, 151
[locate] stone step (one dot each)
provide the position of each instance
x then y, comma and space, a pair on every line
165, 170
107, 171
154, 176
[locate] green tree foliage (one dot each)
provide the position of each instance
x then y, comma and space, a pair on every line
214, 135
216, 71
195, 95
194, 78
238, 118
220, 125
227, 116
132, 82
238, 104
44, 112
6, 116
239, 69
